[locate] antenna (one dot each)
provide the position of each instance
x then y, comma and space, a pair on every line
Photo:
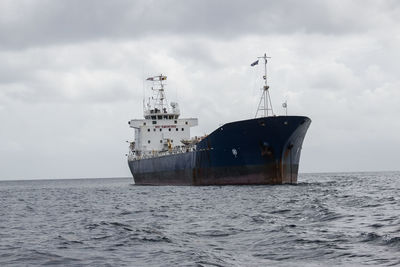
158, 102
143, 91
284, 105
265, 104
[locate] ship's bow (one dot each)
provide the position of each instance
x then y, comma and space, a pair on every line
291, 150
257, 151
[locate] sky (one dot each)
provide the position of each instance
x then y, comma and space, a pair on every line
72, 76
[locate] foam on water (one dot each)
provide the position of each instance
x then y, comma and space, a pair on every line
327, 219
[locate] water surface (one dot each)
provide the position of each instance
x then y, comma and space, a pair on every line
344, 219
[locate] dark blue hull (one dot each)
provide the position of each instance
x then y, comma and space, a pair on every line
257, 151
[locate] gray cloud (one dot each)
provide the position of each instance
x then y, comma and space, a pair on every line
71, 76
39, 23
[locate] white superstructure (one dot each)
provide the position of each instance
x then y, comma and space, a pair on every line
161, 131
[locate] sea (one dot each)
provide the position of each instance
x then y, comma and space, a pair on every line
327, 219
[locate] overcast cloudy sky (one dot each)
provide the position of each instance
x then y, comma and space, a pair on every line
71, 76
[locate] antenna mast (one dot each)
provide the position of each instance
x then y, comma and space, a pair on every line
265, 104
159, 100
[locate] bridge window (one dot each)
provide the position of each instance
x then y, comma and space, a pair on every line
159, 117
175, 122
154, 122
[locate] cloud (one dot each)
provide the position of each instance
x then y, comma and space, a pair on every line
72, 72
40, 23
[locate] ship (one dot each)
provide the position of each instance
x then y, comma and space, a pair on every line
257, 151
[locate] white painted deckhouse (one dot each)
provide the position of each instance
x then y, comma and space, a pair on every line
161, 131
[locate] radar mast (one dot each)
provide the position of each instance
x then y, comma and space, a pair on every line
264, 108
158, 102
157, 105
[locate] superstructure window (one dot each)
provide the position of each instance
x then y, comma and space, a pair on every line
148, 130
160, 129
169, 129
144, 123
148, 141
177, 129
183, 129
186, 122
160, 141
